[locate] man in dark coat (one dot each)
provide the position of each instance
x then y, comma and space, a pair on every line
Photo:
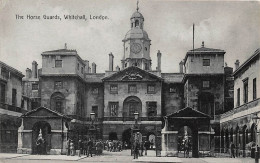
136, 149
90, 147
232, 149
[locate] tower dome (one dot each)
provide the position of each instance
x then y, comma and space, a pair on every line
137, 14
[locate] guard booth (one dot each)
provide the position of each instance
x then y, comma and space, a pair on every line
44, 123
189, 124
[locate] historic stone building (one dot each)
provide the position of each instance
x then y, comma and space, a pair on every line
239, 125
168, 104
10, 106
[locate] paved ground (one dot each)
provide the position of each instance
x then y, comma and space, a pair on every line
110, 157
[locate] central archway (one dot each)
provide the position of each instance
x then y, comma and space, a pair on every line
131, 105
45, 129
126, 138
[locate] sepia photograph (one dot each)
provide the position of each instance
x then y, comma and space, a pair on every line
129, 81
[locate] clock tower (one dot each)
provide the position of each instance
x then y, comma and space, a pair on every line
136, 44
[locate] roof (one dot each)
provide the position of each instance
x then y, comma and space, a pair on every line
188, 113
18, 73
129, 71
45, 109
60, 51
94, 78
248, 61
203, 50
136, 33
172, 77
137, 14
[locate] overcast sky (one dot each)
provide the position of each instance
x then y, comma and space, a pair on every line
231, 26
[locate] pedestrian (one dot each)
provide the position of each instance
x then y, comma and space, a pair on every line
90, 147
136, 150
85, 147
72, 148
146, 147
232, 150
80, 147
68, 147
141, 148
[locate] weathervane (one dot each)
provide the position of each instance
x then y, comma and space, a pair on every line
137, 8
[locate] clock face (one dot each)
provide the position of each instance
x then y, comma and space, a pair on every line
136, 48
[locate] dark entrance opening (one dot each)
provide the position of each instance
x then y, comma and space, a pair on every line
41, 129
185, 142
126, 138
112, 136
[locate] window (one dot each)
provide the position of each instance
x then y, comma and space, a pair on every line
58, 63
58, 105
113, 109
205, 84
58, 85
34, 86
4, 72
95, 91
206, 62
113, 89
245, 90
150, 89
254, 89
95, 110
2, 87
151, 109
82, 70
14, 97
132, 88
238, 97
136, 23
125, 64
78, 66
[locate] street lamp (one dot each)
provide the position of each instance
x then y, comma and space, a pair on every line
134, 130
255, 120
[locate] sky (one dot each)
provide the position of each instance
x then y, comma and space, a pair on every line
231, 26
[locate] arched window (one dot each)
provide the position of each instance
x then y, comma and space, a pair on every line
131, 105
136, 23
57, 102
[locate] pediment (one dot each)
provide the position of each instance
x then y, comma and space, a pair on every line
132, 74
188, 113
44, 112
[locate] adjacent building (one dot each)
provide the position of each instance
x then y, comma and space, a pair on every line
10, 106
240, 125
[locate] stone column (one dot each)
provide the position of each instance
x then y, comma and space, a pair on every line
20, 138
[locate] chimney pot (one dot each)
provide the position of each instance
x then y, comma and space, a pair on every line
181, 66
237, 64
94, 67
202, 45
159, 54
111, 61
34, 69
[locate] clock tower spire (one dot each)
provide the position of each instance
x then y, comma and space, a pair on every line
136, 44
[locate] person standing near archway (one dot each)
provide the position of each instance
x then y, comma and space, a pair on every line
40, 144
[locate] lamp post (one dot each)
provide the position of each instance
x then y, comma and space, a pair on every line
255, 120
92, 127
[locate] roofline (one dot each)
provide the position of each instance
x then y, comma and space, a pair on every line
17, 72
186, 108
202, 74
161, 79
191, 52
256, 53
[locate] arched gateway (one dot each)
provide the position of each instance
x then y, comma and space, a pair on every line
199, 124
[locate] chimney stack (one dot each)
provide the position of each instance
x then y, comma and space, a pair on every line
117, 68
87, 66
159, 55
202, 45
28, 73
34, 69
94, 66
111, 61
237, 64
181, 66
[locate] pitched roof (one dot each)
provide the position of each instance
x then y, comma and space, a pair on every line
188, 113
248, 61
46, 109
132, 69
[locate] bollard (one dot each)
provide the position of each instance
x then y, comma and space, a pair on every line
257, 154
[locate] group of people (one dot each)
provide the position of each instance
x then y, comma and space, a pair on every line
113, 145
85, 147
138, 148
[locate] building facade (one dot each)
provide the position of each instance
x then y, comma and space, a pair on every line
10, 106
168, 105
239, 125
